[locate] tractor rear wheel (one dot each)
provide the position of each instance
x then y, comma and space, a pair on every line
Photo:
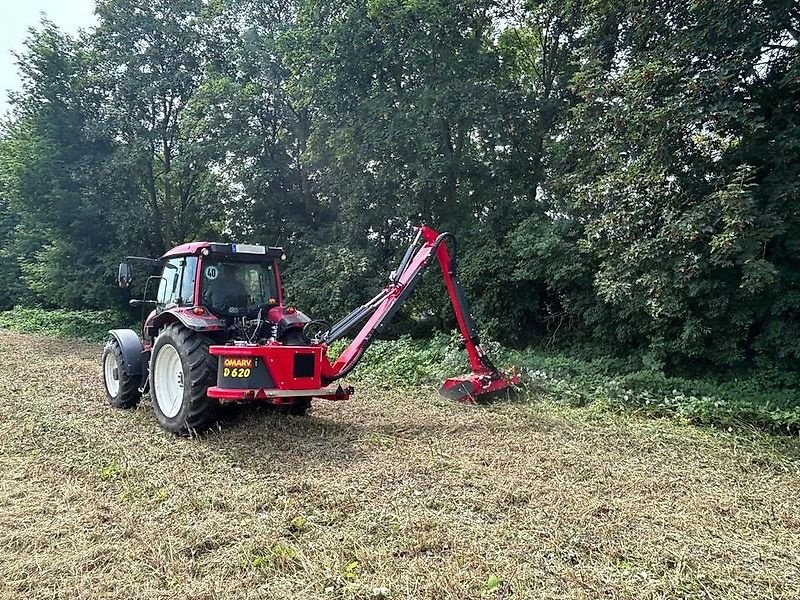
122, 390
181, 371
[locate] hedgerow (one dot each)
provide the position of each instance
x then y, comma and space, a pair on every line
89, 325
763, 397
766, 398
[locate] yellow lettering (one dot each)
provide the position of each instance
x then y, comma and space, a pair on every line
238, 362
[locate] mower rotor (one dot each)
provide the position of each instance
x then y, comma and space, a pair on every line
475, 388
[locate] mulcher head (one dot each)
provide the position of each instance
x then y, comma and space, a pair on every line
477, 388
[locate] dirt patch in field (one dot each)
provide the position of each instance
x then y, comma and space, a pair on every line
388, 495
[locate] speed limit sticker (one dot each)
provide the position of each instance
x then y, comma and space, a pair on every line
211, 272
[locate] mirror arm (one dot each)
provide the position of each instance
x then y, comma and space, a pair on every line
135, 302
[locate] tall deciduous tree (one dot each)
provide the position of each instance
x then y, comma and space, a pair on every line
676, 134
58, 174
153, 55
623, 173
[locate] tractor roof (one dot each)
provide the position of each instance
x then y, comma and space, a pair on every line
191, 248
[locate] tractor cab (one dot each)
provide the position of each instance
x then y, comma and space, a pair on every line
229, 280
232, 290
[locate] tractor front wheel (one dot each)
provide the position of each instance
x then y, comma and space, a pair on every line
181, 371
122, 390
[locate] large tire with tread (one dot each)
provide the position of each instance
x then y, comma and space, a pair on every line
181, 371
122, 390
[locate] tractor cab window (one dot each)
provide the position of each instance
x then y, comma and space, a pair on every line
235, 288
187, 281
168, 287
177, 281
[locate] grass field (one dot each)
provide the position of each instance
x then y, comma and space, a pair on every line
388, 495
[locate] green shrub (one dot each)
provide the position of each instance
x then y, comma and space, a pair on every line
90, 325
765, 397
409, 362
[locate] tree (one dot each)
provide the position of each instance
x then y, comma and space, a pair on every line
672, 135
152, 55
621, 174
57, 176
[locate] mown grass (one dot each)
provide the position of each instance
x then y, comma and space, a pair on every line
764, 398
392, 494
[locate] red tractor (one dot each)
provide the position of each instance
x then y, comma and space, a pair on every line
219, 331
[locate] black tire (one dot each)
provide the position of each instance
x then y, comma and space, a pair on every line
127, 389
199, 371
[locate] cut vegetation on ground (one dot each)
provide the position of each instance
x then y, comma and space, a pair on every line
391, 495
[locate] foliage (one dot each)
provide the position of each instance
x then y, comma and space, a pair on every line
408, 362
619, 175
90, 325
12, 290
56, 179
765, 397
676, 192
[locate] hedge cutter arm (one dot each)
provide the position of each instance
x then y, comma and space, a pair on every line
485, 378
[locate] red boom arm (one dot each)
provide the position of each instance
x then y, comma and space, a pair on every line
428, 243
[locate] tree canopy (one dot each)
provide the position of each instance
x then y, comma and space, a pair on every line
624, 174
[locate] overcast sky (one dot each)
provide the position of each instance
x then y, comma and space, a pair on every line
20, 15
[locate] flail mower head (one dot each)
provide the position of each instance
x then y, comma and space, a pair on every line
477, 388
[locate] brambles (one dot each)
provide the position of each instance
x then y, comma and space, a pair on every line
766, 398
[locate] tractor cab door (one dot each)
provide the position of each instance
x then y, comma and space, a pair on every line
176, 286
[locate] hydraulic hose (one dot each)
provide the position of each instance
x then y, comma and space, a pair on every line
407, 290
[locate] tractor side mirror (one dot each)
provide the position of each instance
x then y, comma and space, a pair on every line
124, 277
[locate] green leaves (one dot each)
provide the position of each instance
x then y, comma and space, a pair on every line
615, 172
669, 182
492, 583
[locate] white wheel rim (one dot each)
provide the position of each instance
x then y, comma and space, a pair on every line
111, 374
168, 381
